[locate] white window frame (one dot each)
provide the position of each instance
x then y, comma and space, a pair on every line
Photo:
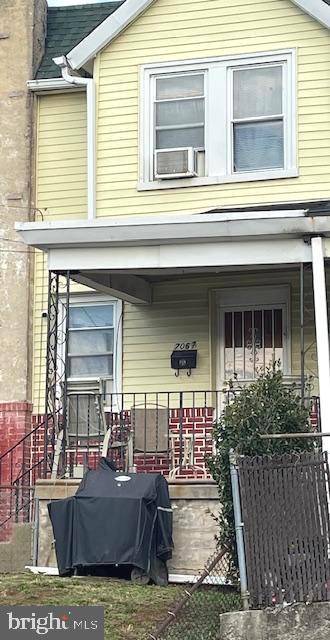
218, 83
90, 299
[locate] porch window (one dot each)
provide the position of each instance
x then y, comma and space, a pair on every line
233, 118
91, 340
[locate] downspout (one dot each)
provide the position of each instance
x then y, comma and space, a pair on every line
89, 83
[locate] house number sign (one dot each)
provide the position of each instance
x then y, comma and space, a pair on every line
185, 346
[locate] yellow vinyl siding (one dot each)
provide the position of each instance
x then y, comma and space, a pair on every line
170, 31
61, 184
61, 193
184, 310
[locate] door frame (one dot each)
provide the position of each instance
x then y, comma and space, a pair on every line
252, 296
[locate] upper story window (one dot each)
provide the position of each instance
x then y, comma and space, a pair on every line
179, 111
218, 121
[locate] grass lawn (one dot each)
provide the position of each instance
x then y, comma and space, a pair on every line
130, 610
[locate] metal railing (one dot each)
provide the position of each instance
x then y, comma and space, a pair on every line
167, 431
29, 459
164, 431
147, 431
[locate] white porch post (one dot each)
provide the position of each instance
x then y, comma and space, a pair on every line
322, 335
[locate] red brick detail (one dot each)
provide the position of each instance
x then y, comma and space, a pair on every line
196, 426
15, 423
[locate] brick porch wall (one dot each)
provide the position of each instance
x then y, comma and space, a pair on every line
16, 420
15, 423
197, 424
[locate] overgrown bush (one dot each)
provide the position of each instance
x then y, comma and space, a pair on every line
264, 406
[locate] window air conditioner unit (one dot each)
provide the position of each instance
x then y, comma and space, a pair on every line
175, 163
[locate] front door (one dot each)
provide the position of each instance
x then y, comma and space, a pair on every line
252, 336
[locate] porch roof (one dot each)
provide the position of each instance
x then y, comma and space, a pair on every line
169, 229
116, 255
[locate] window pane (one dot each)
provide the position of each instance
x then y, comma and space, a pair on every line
228, 330
89, 366
278, 329
237, 329
85, 342
179, 112
91, 316
174, 138
258, 92
257, 329
248, 329
268, 315
258, 146
248, 346
184, 86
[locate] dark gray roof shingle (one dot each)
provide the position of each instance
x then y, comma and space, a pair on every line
66, 27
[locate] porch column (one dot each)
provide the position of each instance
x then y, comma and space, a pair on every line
322, 335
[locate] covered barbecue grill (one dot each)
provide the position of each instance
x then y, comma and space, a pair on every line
115, 520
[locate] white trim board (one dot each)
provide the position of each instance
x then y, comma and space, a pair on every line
107, 31
317, 9
112, 26
177, 578
51, 85
181, 256
169, 231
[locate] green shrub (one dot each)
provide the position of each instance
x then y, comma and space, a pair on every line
264, 406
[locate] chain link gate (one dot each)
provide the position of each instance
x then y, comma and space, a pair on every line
196, 613
286, 514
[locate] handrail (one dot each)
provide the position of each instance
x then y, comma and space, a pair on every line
27, 435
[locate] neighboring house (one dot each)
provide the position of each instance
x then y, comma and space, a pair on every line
22, 33
182, 168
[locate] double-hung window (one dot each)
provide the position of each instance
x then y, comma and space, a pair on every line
218, 120
93, 339
179, 111
257, 130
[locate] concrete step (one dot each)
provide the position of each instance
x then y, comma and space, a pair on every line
17, 552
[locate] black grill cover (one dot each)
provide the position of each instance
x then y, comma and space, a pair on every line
113, 521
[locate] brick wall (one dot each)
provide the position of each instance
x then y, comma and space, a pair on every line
190, 429
15, 423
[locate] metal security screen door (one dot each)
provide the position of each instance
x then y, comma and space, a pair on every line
251, 339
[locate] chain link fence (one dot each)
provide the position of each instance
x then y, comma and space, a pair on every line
195, 614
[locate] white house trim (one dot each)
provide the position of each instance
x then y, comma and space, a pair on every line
316, 9
112, 26
107, 31
181, 257
51, 85
204, 228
